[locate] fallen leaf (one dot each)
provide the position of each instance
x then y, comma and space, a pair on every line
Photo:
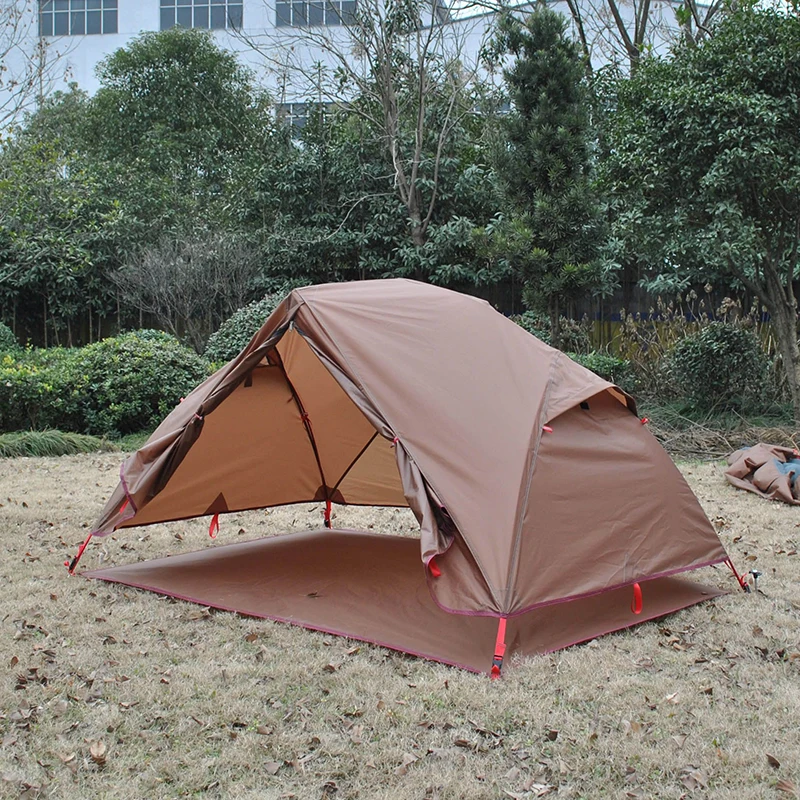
672, 698
773, 762
693, 778
263, 730
60, 707
251, 637
680, 739
272, 767
408, 760
97, 750
552, 735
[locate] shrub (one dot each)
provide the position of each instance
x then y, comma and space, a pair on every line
722, 366
116, 386
50, 443
8, 342
128, 383
232, 336
612, 369
574, 338
35, 390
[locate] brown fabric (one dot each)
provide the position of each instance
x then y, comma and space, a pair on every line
372, 587
400, 393
755, 469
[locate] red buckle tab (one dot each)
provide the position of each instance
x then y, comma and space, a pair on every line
636, 602
213, 528
434, 568
499, 649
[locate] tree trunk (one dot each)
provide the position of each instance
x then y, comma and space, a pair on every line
555, 322
784, 322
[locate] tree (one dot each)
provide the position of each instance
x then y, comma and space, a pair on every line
395, 66
703, 166
550, 230
56, 224
191, 286
175, 118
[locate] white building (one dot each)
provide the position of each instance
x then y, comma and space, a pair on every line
73, 36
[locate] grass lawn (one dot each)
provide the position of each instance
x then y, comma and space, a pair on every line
111, 692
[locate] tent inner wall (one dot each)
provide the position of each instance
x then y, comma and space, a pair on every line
255, 451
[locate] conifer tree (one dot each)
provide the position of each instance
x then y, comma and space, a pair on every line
550, 229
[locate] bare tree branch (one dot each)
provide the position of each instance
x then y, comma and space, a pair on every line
30, 66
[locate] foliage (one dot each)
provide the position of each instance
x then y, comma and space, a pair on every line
615, 370
337, 215
574, 336
54, 223
116, 386
722, 366
239, 329
550, 232
703, 167
8, 342
50, 443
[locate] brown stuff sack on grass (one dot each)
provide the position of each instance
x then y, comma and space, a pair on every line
766, 470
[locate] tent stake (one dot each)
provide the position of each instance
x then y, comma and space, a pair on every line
499, 649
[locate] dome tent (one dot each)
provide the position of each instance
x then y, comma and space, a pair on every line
541, 497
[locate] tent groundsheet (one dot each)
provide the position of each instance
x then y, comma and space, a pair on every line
370, 587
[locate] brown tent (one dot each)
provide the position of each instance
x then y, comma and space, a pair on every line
541, 497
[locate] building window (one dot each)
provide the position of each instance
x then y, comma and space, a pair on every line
77, 17
214, 14
301, 13
296, 114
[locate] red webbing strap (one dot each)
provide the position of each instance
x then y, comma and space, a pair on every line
326, 514
70, 565
742, 581
213, 528
636, 603
499, 649
434, 568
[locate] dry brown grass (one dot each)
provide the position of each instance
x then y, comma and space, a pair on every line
110, 692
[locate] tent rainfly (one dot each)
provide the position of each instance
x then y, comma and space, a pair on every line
548, 513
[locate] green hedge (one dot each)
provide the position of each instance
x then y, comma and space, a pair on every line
610, 368
232, 336
114, 387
